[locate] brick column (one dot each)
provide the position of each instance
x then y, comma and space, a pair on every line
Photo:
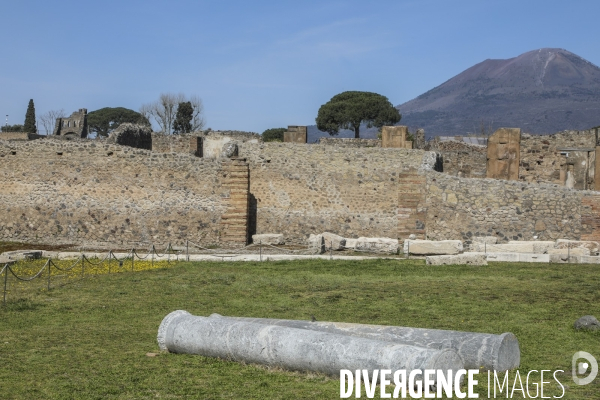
234, 222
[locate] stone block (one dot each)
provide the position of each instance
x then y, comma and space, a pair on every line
537, 246
23, 255
576, 251
268, 238
590, 259
334, 241
485, 239
459, 259
433, 247
564, 259
518, 257
316, 244
541, 247
395, 136
593, 247
377, 245
351, 243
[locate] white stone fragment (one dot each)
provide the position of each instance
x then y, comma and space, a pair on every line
575, 251
592, 246
334, 241
432, 247
458, 259
379, 245
268, 238
316, 244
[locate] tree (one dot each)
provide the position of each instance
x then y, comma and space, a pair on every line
12, 128
29, 125
198, 121
49, 120
164, 111
273, 135
183, 118
348, 110
107, 119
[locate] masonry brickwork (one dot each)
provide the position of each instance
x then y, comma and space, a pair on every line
349, 142
462, 208
90, 193
301, 189
75, 125
461, 159
19, 136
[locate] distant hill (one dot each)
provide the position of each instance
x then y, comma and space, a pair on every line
541, 91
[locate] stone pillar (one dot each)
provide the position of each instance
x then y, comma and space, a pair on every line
234, 222
503, 154
395, 137
419, 139
597, 169
493, 352
295, 134
294, 349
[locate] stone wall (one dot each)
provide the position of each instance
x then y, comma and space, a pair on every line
93, 193
541, 159
75, 125
186, 143
213, 141
132, 135
20, 136
299, 189
461, 159
461, 208
349, 142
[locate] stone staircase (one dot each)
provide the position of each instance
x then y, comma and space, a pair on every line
234, 222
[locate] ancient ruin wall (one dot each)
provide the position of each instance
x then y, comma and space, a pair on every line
461, 159
349, 142
540, 154
90, 193
461, 208
299, 189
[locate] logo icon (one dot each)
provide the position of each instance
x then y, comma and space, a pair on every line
581, 368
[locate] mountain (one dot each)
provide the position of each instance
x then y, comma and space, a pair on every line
541, 91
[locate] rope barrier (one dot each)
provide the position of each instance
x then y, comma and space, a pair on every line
81, 261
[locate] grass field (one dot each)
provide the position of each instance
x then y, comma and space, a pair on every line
90, 339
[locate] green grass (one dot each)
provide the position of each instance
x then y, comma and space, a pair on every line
89, 340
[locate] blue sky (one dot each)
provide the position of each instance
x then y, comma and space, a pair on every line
264, 64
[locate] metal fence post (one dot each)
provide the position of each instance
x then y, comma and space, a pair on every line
152, 256
110, 254
260, 249
132, 258
49, 271
5, 281
187, 251
82, 265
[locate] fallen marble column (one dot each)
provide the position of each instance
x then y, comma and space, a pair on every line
294, 349
492, 352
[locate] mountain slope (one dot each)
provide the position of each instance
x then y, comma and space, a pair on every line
541, 91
